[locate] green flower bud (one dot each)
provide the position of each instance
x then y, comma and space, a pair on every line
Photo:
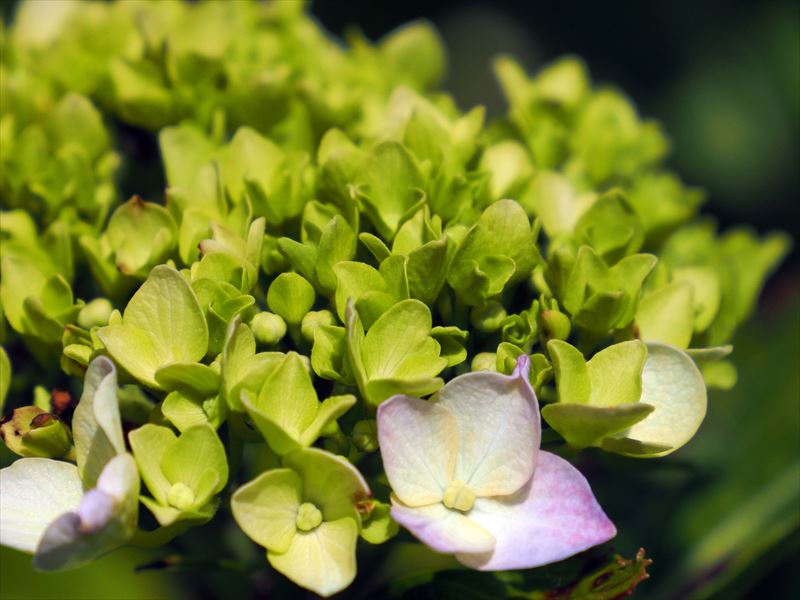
553, 325
313, 320
489, 317
32, 432
308, 517
484, 361
180, 496
268, 328
365, 435
95, 313
290, 296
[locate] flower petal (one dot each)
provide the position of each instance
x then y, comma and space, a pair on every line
418, 441
442, 529
553, 517
499, 428
104, 521
266, 508
322, 560
96, 423
34, 492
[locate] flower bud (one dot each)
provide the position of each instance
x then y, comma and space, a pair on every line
32, 432
268, 328
95, 313
484, 361
313, 320
489, 317
553, 325
365, 435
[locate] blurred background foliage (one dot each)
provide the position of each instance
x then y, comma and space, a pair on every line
721, 517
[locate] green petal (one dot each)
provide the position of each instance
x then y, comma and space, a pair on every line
163, 323
672, 383
328, 411
615, 374
583, 426
149, 444
192, 377
572, 375
322, 560
330, 482
266, 508
667, 315
197, 450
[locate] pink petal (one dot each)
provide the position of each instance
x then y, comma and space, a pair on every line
553, 517
499, 428
443, 530
418, 444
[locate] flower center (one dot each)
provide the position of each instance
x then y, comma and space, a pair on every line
458, 496
308, 517
180, 496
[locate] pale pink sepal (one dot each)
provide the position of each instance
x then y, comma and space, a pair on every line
549, 520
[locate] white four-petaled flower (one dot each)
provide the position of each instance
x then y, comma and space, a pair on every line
468, 477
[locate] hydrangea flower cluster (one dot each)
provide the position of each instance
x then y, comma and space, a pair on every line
337, 242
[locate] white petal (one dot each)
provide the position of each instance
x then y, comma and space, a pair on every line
499, 428
553, 517
443, 530
34, 492
418, 444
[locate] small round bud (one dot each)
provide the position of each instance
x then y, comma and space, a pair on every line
32, 432
95, 313
180, 496
484, 361
308, 517
489, 317
554, 325
365, 435
268, 328
313, 320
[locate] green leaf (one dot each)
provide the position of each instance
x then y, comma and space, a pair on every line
667, 315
